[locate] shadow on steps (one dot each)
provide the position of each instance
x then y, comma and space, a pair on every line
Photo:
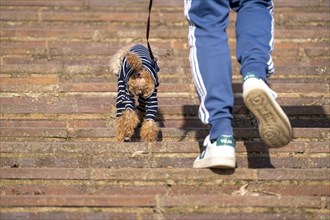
245, 126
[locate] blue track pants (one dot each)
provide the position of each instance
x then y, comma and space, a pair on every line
210, 58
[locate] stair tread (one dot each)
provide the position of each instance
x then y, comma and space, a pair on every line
149, 174
58, 156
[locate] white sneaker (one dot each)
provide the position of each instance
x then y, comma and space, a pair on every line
274, 126
220, 154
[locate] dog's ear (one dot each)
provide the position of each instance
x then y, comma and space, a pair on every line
134, 61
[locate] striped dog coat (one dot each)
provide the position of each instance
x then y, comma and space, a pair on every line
126, 100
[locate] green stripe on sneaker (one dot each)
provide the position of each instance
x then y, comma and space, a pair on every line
226, 140
250, 75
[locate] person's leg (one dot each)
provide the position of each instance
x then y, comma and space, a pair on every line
210, 62
211, 67
255, 39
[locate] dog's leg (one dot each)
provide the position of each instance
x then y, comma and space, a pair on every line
127, 123
120, 135
149, 131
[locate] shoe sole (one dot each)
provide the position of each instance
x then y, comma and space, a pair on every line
215, 162
274, 126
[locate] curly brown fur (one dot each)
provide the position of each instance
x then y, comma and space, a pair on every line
117, 59
141, 84
149, 131
126, 125
134, 61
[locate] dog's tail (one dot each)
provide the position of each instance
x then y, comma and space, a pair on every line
134, 61
117, 59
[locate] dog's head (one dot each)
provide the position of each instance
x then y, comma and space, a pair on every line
141, 82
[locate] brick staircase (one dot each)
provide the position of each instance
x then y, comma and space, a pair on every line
59, 159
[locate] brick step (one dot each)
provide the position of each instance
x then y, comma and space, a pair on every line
177, 187
96, 73
44, 74
250, 154
164, 155
167, 66
101, 82
50, 84
99, 73
74, 125
172, 207
167, 49
163, 176
116, 33
90, 103
303, 17
280, 61
93, 73
163, 201
58, 157
162, 181
140, 148
166, 134
45, 86
247, 122
168, 176
42, 60
158, 160
189, 111
188, 213
140, 5
180, 120
166, 112
164, 189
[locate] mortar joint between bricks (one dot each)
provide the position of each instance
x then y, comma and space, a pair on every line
325, 202
255, 175
47, 50
40, 15
86, 4
150, 156
158, 208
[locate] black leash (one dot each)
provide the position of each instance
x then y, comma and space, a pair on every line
148, 30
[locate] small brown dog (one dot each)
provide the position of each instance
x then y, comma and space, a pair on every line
137, 79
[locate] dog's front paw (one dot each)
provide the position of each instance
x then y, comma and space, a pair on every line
149, 131
126, 125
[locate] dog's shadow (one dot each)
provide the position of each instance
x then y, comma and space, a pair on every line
161, 124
